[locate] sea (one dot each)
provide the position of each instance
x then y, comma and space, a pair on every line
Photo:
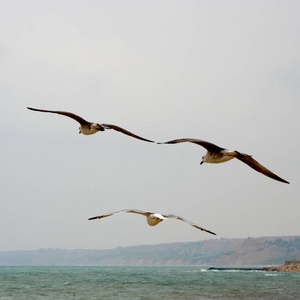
145, 283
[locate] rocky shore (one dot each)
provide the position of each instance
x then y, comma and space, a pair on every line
289, 266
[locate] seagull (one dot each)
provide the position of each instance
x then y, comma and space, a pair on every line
216, 155
152, 218
88, 128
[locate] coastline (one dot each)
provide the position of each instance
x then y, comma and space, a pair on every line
289, 266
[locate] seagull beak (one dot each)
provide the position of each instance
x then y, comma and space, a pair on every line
201, 163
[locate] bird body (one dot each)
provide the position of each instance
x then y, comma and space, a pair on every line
152, 218
216, 154
219, 157
89, 128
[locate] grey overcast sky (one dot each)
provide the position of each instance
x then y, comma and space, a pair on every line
224, 71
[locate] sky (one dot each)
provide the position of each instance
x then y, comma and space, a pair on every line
227, 72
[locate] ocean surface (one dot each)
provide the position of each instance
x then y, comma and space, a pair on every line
144, 283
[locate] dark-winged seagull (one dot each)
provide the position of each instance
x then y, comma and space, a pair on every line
152, 218
216, 155
88, 128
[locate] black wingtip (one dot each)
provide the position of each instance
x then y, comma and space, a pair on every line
211, 232
145, 140
278, 179
31, 108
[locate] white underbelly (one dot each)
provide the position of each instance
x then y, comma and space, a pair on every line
88, 131
219, 158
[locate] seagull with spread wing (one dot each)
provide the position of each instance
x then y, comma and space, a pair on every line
88, 128
216, 155
152, 218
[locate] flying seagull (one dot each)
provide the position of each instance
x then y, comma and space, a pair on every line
88, 128
152, 218
216, 155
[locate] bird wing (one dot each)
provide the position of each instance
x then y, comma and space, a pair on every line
251, 162
207, 145
117, 128
64, 113
136, 211
189, 222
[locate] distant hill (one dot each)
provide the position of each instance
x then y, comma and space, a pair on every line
216, 252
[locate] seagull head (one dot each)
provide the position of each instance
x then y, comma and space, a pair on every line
202, 161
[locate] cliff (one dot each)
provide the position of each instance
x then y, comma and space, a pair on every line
289, 266
262, 251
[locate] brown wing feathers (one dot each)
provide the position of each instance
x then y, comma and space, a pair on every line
64, 113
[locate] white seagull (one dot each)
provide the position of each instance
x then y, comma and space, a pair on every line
152, 218
216, 155
88, 128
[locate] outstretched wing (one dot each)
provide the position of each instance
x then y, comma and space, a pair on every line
136, 211
207, 145
191, 223
124, 131
64, 113
251, 162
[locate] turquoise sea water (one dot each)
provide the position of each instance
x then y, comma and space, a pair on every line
144, 283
